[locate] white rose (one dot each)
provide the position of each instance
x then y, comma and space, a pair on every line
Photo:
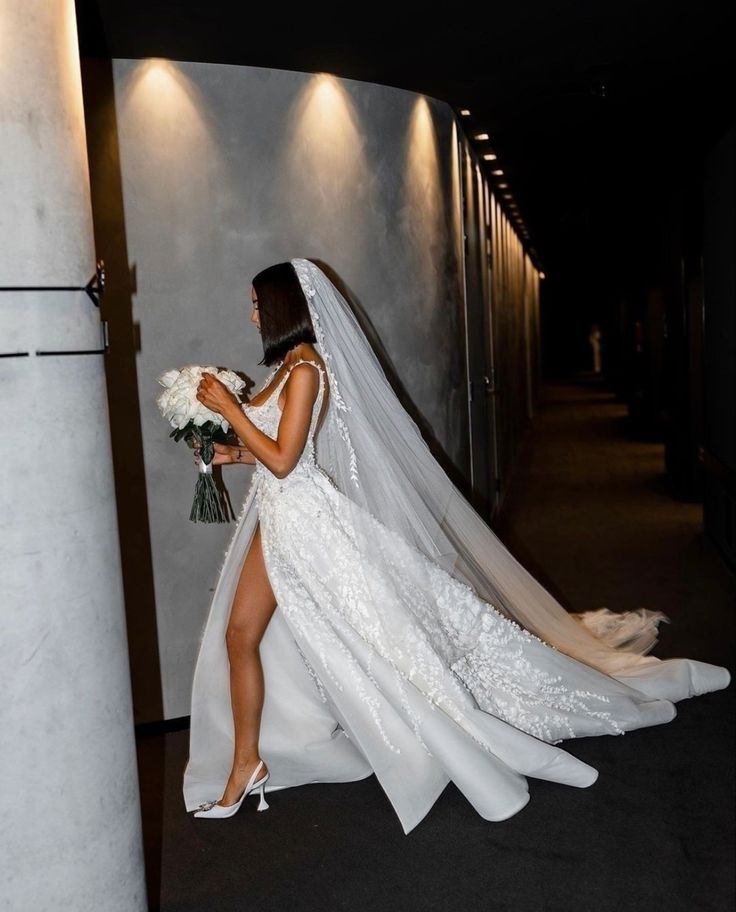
179, 413
168, 378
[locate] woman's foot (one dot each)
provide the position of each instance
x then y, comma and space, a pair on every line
239, 776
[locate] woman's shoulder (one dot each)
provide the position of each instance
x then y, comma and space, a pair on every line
309, 354
305, 374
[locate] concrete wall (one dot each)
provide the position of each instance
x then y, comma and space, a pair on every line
202, 175
69, 786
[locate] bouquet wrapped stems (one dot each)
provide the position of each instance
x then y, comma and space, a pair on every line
209, 504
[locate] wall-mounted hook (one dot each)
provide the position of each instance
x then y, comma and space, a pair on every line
94, 289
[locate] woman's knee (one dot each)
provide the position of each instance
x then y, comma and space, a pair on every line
243, 636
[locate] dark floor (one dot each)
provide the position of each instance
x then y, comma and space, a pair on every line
589, 514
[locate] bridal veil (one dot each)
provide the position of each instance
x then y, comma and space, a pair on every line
376, 455
373, 452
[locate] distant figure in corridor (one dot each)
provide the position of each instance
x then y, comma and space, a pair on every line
367, 620
595, 345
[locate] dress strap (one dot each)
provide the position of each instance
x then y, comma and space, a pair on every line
305, 361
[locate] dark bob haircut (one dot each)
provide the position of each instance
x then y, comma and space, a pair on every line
283, 309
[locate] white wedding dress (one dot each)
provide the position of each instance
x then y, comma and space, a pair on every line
378, 660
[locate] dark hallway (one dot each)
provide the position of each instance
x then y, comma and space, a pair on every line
590, 514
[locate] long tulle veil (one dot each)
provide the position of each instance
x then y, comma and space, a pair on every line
369, 448
374, 452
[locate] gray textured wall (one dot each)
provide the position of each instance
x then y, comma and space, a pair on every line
221, 171
69, 786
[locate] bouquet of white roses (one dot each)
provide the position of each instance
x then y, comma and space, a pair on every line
192, 421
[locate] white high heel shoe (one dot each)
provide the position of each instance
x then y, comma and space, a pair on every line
216, 811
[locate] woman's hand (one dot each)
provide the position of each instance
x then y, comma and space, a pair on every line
215, 396
227, 455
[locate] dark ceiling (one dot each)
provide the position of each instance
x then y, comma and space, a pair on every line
594, 109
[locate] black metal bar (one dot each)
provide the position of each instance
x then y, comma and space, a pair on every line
94, 289
42, 287
89, 351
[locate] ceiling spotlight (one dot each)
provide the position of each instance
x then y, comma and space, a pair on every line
490, 156
481, 137
497, 171
542, 275
464, 112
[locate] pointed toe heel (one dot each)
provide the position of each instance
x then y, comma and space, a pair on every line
214, 811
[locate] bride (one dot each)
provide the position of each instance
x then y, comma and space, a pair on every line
367, 620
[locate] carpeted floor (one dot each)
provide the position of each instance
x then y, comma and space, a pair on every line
590, 515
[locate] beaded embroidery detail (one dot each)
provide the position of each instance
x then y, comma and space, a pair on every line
350, 587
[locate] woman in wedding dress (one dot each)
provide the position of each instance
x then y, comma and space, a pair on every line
367, 620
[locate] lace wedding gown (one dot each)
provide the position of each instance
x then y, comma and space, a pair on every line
377, 660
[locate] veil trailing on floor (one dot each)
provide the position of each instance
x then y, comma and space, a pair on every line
387, 652
372, 449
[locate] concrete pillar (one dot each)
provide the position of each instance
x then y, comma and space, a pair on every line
71, 830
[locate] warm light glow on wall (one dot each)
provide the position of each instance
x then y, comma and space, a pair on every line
69, 66
326, 142
168, 109
456, 194
161, 89
42, 120
56, 69
481, 137
465, 112
423, 200
167, 121
323, 159
490, 156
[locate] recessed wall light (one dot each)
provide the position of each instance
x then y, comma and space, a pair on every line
464, 112
481, 136
490, 156
497, 171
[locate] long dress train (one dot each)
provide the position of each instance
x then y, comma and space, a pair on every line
377, 660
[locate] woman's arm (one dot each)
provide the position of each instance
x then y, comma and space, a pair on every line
226, 454
280, 455
242, 456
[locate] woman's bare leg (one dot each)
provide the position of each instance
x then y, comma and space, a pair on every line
253, 605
